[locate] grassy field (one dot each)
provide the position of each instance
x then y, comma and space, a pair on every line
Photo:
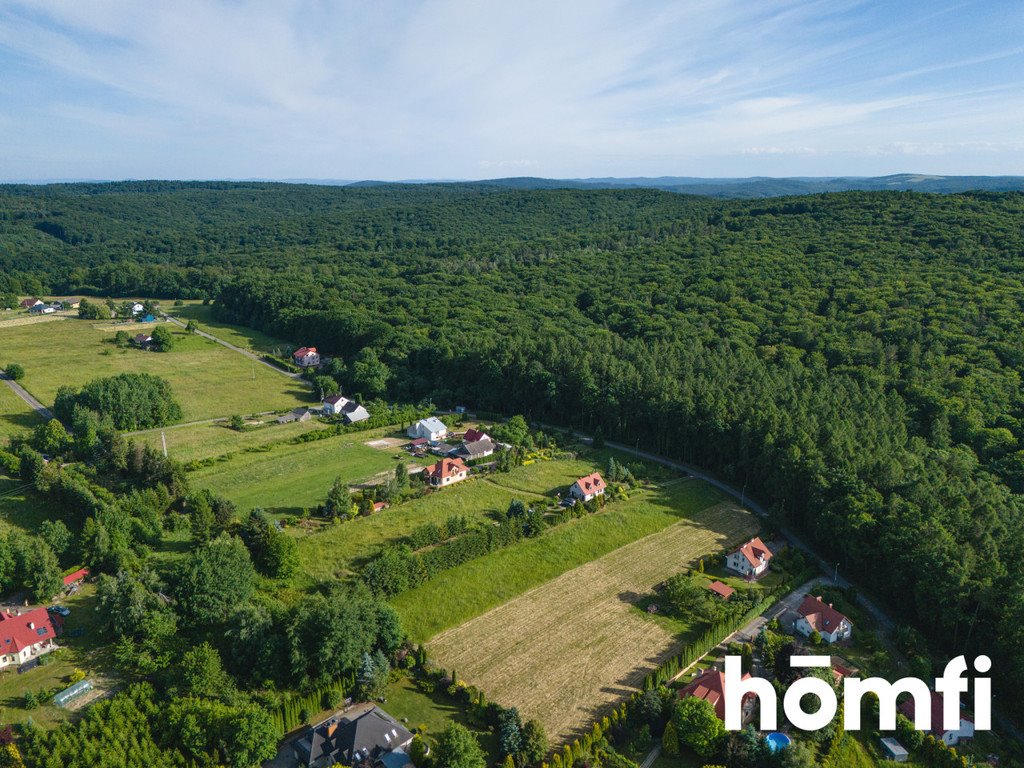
16, 417
240, 336
330, 552
86, 652
563, 652
284, 479
204, 441
479, 585
208, 379
19, 509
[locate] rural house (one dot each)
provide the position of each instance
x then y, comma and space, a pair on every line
433, 429
710, 686
446, 472
137, 309
949, 738
297, 414
475, 435
815, 615
29, 303
589, 487
336, 405
749, 560
143, 341
306, 357
475, 450
26, 636
373, 738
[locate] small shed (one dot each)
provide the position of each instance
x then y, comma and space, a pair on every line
893, 750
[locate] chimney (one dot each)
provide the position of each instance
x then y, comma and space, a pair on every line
31, 625
830, 605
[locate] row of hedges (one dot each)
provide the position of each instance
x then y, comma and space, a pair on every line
297, 709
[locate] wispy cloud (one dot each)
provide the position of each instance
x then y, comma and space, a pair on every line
458, 88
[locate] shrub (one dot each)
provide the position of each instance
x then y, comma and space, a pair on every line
15, 371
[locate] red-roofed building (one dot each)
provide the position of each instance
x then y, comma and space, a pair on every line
306, 357
29, 303
77, 576
26, 636
950, 738
750, 560
446, 472
724, 591
710, 686
474, 435
589, 487
379, 505
815, 615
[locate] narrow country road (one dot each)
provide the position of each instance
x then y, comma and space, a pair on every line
23, 393
251, 355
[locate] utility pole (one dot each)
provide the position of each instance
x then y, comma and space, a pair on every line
163, 440
835, 576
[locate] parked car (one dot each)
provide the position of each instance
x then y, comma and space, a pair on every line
60, 610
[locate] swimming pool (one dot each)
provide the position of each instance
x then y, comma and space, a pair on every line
777, 741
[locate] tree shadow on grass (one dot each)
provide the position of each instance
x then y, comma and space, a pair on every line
20, 421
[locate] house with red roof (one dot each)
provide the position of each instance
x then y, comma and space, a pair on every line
76, 577
710, 686
446, 472
306, 357
815, 615
29, 303
26, 636
475, 436
589, 487
724, 591
749, 560
948, 737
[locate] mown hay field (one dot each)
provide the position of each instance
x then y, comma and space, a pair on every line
565, 651
16, 417
208, 380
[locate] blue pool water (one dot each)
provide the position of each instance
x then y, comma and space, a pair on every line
777, 741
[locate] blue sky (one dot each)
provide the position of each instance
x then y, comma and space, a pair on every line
340, 89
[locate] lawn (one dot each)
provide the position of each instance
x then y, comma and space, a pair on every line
567, 650
16, 417
240, 336
87, 652
285, 479
208, 379
203, 441
430, 713
479, 585
20, 508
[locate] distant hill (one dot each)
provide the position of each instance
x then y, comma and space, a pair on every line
764, 186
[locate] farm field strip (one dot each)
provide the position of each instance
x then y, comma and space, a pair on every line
208, 379
204, 441
565, 651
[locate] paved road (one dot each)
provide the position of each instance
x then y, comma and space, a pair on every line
23, 393
251, 355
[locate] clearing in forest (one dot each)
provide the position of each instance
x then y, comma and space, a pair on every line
564, 652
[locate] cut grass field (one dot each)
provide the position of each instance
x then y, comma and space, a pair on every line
565, 651
16, 417
331, 552
240, 336
285, 479
22, 509
208, 379
203, 441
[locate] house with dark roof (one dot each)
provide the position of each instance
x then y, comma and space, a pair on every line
296, 414
372, 738
473, 435
949, 737
478, 449
29, 303
710, 686
349, 410
749, 560
143, 340
815, 615
589, 487
26, 635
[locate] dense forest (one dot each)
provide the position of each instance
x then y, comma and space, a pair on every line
852, 359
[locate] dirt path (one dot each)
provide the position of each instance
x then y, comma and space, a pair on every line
24, 394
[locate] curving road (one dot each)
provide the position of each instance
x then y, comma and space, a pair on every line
24, 394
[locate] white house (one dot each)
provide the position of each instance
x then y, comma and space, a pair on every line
815, 615
26, 636
950, 738
137, 308
589, 487
306, 357
433, 429
750, 560
336, 405
446, 472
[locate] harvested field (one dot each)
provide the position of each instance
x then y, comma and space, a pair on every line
567, 650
